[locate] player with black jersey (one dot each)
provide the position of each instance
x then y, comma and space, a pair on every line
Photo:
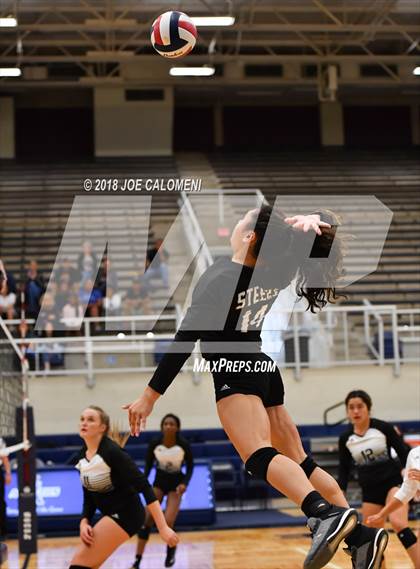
227, 310
111, 483
368, 445
169, 452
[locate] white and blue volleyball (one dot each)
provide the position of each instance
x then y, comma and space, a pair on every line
173, 34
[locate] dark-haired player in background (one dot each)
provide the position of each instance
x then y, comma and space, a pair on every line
169, 452
368, 445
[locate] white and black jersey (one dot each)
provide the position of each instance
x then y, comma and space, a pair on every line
170, 459
410, 487
110, 479
95, 474
371, 454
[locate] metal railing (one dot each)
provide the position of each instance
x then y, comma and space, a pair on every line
337, 321
346, 325
230, 197
378, 353
194, 234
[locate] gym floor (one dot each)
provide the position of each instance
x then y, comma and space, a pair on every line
268, 548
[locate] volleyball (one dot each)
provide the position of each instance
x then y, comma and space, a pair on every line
173, 34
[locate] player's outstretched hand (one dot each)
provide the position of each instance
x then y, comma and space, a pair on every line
139, 410
375, 521
307, 223
169, 536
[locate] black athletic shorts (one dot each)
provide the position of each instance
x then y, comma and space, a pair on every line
130, 516
377, 493
257, 378
167, 481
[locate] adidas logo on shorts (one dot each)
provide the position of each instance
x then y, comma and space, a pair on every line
224, 387
116, 516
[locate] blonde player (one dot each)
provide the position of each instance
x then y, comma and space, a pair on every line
111, 482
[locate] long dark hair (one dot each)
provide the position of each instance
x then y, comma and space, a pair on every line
281, 244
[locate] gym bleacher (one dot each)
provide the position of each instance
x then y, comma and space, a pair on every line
36, 203
48, 191
39, 205
392, 176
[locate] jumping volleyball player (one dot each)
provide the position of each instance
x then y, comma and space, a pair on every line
367, 444
169, 451
111, 482
250, 405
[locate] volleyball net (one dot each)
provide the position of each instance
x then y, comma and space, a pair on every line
11, 383
17, 425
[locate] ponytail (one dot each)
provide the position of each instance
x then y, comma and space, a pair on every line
114, 432
118, 435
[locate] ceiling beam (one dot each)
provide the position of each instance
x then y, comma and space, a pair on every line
327, 12
307, 41
144, 8
134, 40
269, 27
216, 83
218, 58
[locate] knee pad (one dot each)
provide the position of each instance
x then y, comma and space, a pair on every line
407, 537
308, 466
257, 463
144, 533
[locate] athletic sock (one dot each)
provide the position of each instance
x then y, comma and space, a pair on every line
137, 562
360, 535
314, 506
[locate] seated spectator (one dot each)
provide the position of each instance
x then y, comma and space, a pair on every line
2, 272
92, 297
67, 270
51, 352
137, 300
160, 257
49, 313
106, 275
72, 313
34, 288
8, 276
63, 294
24, 333
112, 303
86, 263
7, 301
